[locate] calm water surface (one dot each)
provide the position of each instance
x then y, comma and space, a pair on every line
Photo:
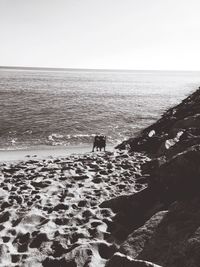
42, 107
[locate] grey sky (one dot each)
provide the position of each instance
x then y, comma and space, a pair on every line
129, 34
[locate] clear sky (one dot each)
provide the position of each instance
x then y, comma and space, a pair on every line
118, 34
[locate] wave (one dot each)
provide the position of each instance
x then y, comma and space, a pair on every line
56, 139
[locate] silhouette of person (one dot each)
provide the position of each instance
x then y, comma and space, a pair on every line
95, 143
102, 143
99, 143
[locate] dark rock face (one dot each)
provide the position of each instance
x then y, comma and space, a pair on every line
167, 212
138, 240
170, 240
180, 176
132, 211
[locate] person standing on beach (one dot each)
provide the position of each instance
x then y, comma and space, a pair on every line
96, 142
99, 142
102, 143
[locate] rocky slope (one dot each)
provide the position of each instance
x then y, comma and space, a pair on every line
160, 225
180, 122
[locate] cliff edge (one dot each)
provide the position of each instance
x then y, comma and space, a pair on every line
160, 225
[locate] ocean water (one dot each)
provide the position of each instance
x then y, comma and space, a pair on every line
68, 107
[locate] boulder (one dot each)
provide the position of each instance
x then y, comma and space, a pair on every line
132, 211
179, 147
179, 177
137, 240
176, 239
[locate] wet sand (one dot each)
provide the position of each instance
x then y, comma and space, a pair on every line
50, 214
45, 151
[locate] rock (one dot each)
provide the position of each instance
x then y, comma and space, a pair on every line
134, 210
176, 239
183, 169
85, 255
119, 260
136, 241
179, 147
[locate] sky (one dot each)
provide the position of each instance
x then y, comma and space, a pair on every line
101, 34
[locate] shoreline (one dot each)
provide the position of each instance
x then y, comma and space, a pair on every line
43, 152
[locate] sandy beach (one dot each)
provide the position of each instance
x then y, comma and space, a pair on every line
50, 212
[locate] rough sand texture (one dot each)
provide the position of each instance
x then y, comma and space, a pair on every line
50, 214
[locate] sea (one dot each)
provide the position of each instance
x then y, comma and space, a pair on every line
67, 107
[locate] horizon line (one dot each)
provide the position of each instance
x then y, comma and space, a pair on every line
89, 69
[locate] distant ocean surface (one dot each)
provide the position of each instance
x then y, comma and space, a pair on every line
68, 107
